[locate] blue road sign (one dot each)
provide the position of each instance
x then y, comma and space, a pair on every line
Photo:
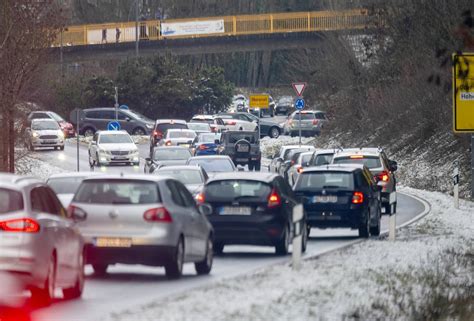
113, 125
299, 104
124, 107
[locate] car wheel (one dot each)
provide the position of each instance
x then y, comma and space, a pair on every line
61, 148
364, 227
89, 132
205, 266
257, 166
375, 230
174, 269
274, 132
283, 245
100, 269
218, 248
76, 291
46, 294
139, 132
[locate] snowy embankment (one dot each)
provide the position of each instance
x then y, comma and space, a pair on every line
427, 273
31, 166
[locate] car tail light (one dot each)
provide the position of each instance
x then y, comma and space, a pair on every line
202, 147
74, 210
230, 122
159, 214
26, 225
358, 198
315, 121
274, 199
299, 170
356, 156
168, 143
384, 177
157, 133
200, 198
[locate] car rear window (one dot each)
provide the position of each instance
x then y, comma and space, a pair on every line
212, 165
234, 138
322, 159
325, 180
65, 185
304, 116
369, 161
181, 134
165, 126
290, 152
10, 201
185, 176
120, 192
200, 120
228, 190
171, 154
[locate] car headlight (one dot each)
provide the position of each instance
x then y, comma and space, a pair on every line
61, 135
35, 134
105, 152
133, 152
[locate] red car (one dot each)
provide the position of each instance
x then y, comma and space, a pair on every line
66, 127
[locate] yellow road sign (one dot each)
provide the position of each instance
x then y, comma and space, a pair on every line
463, 93
259, 101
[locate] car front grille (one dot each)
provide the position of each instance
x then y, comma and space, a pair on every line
48, 137
119, 152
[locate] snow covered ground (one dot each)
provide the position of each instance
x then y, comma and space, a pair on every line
422, 275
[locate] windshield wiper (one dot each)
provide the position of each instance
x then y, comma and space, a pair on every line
331, 186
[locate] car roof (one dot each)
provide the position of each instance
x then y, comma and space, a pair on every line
334, 167
296, 146
112, 132
42, 111
16, 182
141, 177
248, 176
43, 120
179, 167
325, 151
170, 147
170, 121
180, 130
74, 174
203, 117
210, 157
358, 151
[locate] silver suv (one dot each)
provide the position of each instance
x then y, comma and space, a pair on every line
39, 242
312, 122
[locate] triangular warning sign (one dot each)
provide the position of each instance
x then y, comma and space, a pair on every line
299, 88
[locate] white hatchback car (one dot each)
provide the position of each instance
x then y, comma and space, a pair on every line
44, 133
113, 147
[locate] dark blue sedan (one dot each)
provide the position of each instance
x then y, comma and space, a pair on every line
206, 144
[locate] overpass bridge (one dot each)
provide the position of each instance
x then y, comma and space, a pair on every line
275, 31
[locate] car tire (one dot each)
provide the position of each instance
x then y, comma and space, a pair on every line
88, 131
99, 269
251, 166
205, 266
218, 248
274, 132
139, 132
44, 296
388, 209
283, 245
257, 166
375, 230
174, 268
364, 228
76, 291
61, 148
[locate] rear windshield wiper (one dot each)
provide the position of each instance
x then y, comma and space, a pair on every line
331, 186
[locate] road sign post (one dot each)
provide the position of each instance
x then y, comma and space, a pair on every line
297, 236
463, 101
78, 118
299, 105
116, 104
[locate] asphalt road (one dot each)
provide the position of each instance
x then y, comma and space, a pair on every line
129, 286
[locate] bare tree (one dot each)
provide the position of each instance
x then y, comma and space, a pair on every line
28, 28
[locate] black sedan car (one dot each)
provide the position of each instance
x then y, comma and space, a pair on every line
340, 196
251, 208
166, 156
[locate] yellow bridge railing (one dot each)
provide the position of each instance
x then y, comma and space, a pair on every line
232, 26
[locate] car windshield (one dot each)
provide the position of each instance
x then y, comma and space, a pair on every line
138, 115
325, 180
285, 100
56, 117
208, 138
115, 139
119, 192
304, 116
185, 176
201, 120
235, 137
171, 154
322, 159
10, 201
369, 161
212, 165
228, 190
290, 152
199, 126
181, 134
306, 158
65, 185
44, 125
165, 126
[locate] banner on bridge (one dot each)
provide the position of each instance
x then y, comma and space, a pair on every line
176, 29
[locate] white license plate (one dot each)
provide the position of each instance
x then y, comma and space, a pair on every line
234, 210
241, 159
243, 148
49, 141
184, 145
113, 242
325, 199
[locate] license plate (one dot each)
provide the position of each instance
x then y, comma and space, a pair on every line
325, 199
241, 159
184, 145
120, 157
113, 242
49, 141
243, 148
233, 210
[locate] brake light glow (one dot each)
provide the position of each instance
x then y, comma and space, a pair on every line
73, 210
384, 177
358, 198
230, 122
315, 121
25, 225
357, 156
168, 143
200, 198
159, 214
274, 199
157, 133
202, 147
299, 170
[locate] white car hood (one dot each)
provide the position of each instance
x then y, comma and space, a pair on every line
56, 132
118, 147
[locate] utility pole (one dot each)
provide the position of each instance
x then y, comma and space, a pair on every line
61, 59
137, 34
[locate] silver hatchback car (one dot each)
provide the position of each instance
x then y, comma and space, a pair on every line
40, 244
140, 219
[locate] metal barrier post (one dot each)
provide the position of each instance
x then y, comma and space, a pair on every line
456, 184
297, 236
392, 227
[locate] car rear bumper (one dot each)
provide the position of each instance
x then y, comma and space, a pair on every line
343, 219
153, 255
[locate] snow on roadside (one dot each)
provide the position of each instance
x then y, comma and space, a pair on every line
376, 279
31, 166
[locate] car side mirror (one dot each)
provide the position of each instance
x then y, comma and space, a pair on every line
148, 160
217, 142
93, 142
79, 216
205, 209
128, 119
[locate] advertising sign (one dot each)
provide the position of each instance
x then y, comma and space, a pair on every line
175, 29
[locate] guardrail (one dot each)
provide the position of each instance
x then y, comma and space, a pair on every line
94, 34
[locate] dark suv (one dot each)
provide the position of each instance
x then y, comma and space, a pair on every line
243, 147
343, 196
95, 119
160, 128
